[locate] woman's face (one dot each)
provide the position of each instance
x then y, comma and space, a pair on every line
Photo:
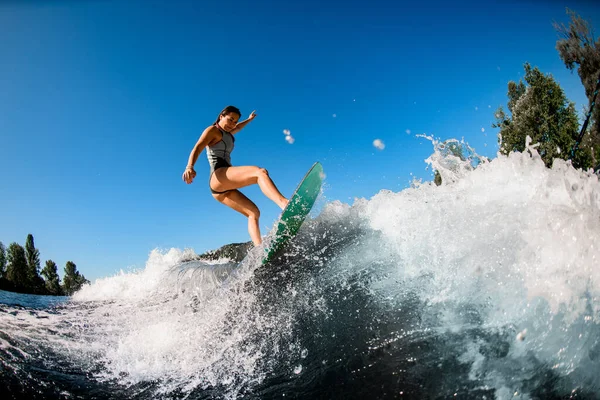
229, 121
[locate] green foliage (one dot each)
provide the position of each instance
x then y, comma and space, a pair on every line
540, 110
579, 49
33, 256
72, 280
35, 283
20, 272
2, 261
50, 273
16, 269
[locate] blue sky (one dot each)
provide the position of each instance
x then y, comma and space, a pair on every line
102, 101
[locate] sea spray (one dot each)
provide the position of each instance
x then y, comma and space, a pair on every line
484, 286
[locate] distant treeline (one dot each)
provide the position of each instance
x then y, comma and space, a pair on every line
20, 272
538, 107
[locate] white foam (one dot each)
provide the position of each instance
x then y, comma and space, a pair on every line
512, 239
136, 284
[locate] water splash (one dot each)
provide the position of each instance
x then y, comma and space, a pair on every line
487, 283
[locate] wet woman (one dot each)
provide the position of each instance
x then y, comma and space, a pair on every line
225, 179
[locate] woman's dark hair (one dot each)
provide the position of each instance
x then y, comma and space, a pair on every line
227, 110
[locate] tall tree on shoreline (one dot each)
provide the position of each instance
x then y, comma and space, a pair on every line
2, 261
72, 280
16, 269
50, 273
579, 49
35, 282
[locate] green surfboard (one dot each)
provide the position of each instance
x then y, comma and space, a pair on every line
295, 212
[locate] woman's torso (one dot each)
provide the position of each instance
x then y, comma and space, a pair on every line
221, 150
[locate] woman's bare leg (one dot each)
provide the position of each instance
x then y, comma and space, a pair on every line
238, 177
239, 202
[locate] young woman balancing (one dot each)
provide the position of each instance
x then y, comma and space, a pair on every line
225, 179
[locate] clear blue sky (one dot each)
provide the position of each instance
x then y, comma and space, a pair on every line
102, 101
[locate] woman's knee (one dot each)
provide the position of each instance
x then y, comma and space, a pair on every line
254, 213
261, 172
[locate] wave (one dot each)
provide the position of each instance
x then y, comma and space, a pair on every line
484, 286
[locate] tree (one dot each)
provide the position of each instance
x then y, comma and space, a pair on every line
578, 48
33, 256
2, 261
540, 110
50, 273
16, 269
72, 280
35, 282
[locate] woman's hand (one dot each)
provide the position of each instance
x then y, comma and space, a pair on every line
252, 115
188, 175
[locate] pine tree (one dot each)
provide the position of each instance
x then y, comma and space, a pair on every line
72, 280
540, 110
50, 273
35, 282
2, 261
578, 49
16, 269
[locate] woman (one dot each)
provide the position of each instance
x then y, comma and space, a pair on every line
225, 180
